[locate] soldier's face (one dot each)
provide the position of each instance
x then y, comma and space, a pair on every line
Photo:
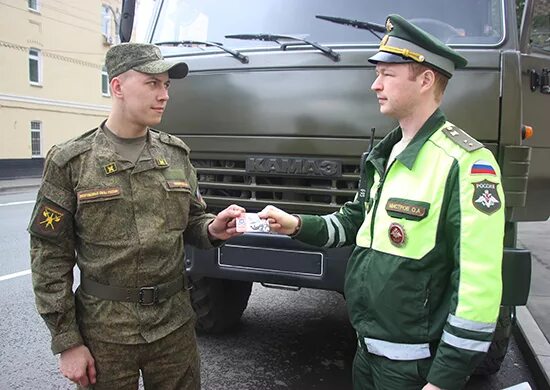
396, 91
144, 97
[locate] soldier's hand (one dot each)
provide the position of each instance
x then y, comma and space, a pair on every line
279, 220
223, 227
78, 365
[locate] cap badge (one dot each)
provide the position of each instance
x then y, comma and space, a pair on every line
389, 25
396, 233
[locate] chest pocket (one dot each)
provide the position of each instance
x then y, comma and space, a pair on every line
99, 214
177, 203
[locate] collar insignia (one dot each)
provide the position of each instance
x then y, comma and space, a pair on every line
161, 162
110, 168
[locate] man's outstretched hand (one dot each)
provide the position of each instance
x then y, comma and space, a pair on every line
223, 226
279, 220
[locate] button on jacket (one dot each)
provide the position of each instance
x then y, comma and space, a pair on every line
424, 280
124, 225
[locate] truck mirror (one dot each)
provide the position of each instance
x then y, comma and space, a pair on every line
127, 20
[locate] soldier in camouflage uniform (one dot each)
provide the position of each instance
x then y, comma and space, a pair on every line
119, 202
423, 284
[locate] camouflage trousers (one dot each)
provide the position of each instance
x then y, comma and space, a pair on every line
171, 363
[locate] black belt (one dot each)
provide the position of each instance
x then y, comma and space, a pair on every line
142, 295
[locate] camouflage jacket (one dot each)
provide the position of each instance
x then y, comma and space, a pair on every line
123, 225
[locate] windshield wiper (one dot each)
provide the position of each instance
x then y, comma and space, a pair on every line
277, 38
234, 53
372, 27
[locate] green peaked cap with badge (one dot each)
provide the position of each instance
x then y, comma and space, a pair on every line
404, 42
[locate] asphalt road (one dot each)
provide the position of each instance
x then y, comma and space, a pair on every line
287, 340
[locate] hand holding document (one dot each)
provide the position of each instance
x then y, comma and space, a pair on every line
252, 223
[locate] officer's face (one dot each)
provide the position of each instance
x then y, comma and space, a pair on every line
396, 91
144, 97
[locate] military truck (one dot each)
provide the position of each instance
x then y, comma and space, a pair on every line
277, 109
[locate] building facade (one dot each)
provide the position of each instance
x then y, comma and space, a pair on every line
53, 86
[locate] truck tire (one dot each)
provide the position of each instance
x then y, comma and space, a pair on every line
218, 303
497, 351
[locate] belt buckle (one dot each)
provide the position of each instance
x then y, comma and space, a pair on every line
148, 296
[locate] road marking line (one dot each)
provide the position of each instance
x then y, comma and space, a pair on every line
15, 275
17, 203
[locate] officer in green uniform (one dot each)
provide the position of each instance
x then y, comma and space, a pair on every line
423, 285
119, 201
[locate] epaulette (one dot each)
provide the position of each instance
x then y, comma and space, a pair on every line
461, 138
172, 140
65, 152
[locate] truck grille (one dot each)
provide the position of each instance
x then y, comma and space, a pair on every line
223, 182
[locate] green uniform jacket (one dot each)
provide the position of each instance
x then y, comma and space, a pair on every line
123, 225
425, 277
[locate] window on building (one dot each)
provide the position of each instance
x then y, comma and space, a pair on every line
105, 82
36, 140
106, 23
35, 67
33, 5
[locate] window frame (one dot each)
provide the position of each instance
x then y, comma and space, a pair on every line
36, 4
105, 78
106, 27
38, 131
38, 58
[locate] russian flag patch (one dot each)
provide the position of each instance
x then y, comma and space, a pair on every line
482, 167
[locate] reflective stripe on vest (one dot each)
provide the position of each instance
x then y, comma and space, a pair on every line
341, 231
397, 351
331, 233
476, 326
469, 344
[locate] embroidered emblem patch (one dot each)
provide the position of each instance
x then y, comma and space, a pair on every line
486, 197
49, 221
100, 193
396, 233
110, 168
482, 167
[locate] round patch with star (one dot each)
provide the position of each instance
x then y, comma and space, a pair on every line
397, 235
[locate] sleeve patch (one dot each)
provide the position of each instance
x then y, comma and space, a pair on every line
482, 167
486, 197
49, 220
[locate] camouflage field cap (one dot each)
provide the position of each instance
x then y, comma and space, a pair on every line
404, 42
141, 57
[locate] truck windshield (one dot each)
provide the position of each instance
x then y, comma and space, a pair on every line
464, 22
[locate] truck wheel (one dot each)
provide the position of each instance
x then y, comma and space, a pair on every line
218, 303
495, 356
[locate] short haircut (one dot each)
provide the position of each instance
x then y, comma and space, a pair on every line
440, 83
